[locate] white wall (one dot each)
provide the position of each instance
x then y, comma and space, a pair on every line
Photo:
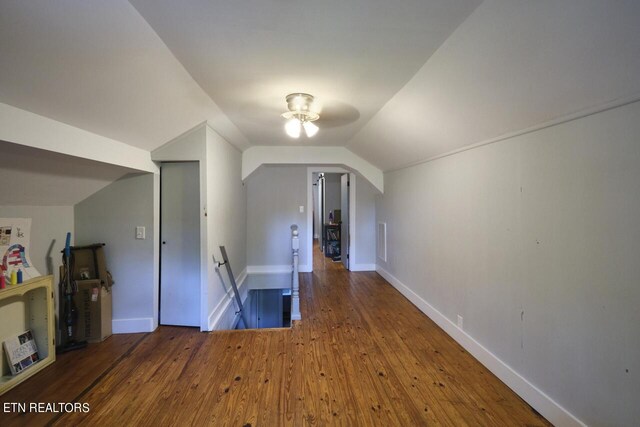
274, 197
535, 242
110, 216
365, 256
49, 227
226, 220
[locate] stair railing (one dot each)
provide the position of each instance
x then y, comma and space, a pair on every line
295, 281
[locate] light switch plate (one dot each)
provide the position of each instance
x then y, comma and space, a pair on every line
140, 233
301, 209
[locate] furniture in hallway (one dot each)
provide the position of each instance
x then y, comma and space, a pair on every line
332, 241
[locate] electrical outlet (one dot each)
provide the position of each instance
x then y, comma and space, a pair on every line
140, 233
301, 209
460, 321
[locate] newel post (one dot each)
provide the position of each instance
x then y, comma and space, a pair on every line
295, 283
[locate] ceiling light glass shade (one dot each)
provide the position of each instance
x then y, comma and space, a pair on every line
300, 115
310, 129
293, 128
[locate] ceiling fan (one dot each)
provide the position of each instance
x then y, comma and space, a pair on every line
300, 115
265, 112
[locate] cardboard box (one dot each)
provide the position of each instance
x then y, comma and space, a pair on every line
93, 302
89, 263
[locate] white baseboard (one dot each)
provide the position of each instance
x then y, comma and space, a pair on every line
223, 315
131, 326
269, 269
542, 403
304, 268
362, 267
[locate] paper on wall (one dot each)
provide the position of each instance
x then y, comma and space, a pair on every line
15, 235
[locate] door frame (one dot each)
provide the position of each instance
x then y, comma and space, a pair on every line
346, 260
204, 326
307, 266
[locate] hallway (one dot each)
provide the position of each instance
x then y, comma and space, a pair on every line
321, 262
362, 356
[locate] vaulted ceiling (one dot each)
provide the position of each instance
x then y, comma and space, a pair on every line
399, 82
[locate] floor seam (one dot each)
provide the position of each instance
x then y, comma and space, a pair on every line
100, 377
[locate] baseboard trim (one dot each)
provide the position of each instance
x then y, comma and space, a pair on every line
268, 269
132, 326
304, 268
362, 267
216, 320
542, 403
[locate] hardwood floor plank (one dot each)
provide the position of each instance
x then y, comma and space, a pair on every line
67, 378
363, 355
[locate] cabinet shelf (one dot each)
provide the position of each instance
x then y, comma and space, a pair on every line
28, 306
332, 241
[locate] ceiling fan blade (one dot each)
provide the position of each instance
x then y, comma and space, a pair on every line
336, 114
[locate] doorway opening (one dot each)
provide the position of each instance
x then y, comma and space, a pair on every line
331, 219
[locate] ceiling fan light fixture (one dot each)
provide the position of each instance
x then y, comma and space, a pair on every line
300, 115
293, 128
310, 129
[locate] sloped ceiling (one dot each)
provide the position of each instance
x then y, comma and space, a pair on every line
352, 55
33, 177
98, 66
511, 66
400, 82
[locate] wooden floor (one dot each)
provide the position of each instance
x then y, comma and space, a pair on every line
362, 356
321, 262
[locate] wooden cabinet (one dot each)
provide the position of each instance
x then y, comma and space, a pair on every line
28, 306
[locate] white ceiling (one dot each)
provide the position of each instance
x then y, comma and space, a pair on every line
351, 55
34, 177
512, 65
400, 81
98, 66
